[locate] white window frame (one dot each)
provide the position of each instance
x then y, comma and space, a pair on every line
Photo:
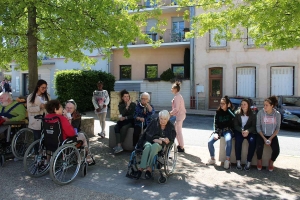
246, 81
212, 42
282, 80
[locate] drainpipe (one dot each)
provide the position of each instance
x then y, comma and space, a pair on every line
192, 44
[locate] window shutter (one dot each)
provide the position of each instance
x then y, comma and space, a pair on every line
246, 81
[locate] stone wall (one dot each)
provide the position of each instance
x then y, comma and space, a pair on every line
114, 102
87, 126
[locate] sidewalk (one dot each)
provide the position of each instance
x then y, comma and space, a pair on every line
189, 111
192, 179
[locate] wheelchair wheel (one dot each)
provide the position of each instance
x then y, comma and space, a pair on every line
2, 160
21, 141
33, 163
83, 169
65, 164
162, 179
170, 159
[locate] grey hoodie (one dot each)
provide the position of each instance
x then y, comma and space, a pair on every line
268, 123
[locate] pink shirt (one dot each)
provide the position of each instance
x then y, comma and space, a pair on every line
178, 108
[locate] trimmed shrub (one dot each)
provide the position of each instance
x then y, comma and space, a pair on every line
167, 75
80, 85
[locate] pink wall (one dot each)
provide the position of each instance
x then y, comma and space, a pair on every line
139, 57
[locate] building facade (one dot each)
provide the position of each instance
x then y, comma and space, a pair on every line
19, 82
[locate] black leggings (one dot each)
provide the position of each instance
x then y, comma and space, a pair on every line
274, 145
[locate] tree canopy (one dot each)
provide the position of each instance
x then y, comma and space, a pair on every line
32, 29
272, 23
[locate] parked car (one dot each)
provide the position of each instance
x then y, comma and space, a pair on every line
289, 108
236, 101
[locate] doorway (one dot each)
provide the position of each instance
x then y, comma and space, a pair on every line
215, 87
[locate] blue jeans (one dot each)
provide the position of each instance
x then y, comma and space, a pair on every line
227, 136
239, 138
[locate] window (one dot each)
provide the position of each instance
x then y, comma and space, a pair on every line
282, 80
212, 36
151, 23
178, 70
177, 34
150, 3
245, 78
151, 71
250, 41
125, 72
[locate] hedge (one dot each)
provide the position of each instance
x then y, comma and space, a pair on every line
79, 85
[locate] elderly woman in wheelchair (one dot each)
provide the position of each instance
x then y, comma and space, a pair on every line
67, 149
157, 141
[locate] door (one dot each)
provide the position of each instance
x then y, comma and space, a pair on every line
25, 91
215, 87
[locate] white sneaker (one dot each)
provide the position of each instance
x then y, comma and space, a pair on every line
102, 134
211, 162
118, 149
115, 147
227, 164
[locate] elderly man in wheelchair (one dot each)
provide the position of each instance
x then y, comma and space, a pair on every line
12, 115
157, 149
66, 150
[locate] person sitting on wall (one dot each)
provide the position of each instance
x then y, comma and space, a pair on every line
126, 110
10, 110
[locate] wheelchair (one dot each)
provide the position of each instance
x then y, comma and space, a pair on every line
7, 147
62, 159
164, 162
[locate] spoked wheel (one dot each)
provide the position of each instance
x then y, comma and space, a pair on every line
170, 159
65, 164
162, 179
21, 141
2, 160
34, 162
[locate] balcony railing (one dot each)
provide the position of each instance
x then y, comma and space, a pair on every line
169, 36
154, 3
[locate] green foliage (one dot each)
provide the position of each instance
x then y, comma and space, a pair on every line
66, 28
167, 75
7, 77
79, 85
273, 24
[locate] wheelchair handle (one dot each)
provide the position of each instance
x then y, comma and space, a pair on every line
39, 117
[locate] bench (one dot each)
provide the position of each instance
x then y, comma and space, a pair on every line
265, 157
127, 144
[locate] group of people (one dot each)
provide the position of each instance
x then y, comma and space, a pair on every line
139, 116
39, 103
5, 86
258, 129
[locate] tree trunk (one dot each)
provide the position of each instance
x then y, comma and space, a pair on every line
32, 48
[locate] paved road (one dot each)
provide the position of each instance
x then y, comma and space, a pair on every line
192, 180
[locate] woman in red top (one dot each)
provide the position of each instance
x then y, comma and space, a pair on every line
55, 109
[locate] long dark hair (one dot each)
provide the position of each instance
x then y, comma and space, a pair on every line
227, 101
38, 84
249, 111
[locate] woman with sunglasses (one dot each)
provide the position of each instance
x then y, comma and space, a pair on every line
36, 106
223, 125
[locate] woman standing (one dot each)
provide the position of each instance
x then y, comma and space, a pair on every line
245, 128
179, 111
223, 125
100, 101
268, 125
36, 106
126, 110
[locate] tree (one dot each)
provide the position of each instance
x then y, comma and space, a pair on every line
272, 23
32, 29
